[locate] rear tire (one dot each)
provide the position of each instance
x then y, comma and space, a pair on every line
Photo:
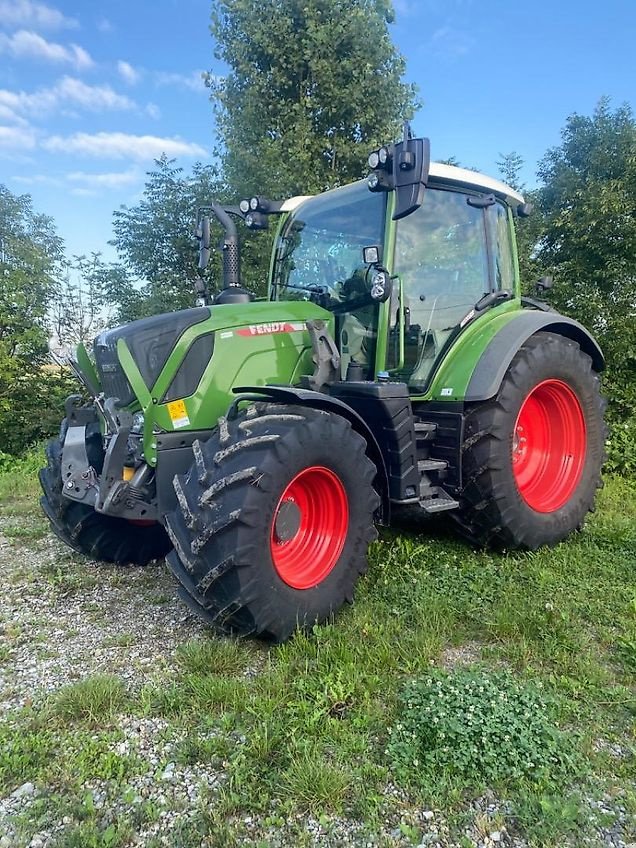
101, 537
532, 455
274, 521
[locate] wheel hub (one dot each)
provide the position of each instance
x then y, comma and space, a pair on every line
309, 528
287, 522
549, 446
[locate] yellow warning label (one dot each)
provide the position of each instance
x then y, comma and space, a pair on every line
178, 414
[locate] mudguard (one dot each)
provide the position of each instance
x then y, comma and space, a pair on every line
318, 400
492, 365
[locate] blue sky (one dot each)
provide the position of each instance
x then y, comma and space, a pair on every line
91, 93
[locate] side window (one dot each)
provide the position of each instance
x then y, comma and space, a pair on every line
442, 260
503, 262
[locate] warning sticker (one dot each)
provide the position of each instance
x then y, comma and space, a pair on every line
178, 414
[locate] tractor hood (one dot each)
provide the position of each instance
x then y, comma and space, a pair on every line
189, 360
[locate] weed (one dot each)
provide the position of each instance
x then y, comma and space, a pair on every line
89, 835
24, 753
94, 700
314, 783
212, 656
484, 728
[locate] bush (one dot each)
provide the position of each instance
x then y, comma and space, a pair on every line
482, 727
34, 408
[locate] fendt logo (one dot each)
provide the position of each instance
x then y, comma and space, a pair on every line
270, 329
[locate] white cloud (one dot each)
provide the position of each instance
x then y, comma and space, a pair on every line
115, 179
83, 182
104, 25
193, 80
38, 179
36, 15
30, 45
68, 91
117, 145
8, 114
128, 73
450, 43
20, 137
153, 110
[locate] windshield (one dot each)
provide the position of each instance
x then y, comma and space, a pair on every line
319, 252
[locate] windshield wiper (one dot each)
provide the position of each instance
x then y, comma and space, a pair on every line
314, 289
491, 299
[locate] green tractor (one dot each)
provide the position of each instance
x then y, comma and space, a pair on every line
257, 444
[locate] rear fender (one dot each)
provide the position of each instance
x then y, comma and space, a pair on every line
318, 400
493, 363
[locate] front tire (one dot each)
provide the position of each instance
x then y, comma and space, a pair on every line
274, 521
532, 455
101, 537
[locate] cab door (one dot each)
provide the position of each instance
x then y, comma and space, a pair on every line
449, 253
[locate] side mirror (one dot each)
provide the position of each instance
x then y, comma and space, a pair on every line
544, 283
402, 167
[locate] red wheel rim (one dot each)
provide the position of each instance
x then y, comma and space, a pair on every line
548, 446
309, 527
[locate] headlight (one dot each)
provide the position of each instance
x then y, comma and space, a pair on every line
380, 286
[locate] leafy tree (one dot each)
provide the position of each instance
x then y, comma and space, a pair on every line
155, 239
312, 88
529, 230
589, 241
79, 309
510, 165
31, 256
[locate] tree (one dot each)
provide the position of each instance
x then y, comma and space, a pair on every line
588, 240
312, 88
529, 230
155, 239
510, 166
31, 259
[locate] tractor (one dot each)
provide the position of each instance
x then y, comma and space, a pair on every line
258, 444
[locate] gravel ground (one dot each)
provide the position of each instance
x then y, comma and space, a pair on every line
63, 618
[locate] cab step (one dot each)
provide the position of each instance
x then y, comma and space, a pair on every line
425, 430
426, 465
435, 499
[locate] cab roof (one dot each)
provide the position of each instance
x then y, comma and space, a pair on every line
473, 179
440, 173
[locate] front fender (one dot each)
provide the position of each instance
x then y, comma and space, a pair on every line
318, 400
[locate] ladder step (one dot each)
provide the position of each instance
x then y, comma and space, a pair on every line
425, 465
437, 500
425, 430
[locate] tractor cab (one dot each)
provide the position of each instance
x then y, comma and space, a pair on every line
448, 259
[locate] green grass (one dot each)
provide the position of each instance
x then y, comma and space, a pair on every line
305, 727
94, 700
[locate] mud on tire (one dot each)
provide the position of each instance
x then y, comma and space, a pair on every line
498, 505
102, 537
223, 532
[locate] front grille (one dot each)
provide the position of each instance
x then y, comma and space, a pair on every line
150, 342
